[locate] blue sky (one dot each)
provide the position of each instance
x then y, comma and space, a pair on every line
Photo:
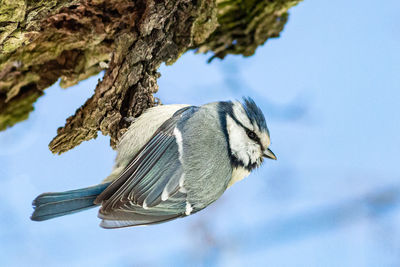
330, 90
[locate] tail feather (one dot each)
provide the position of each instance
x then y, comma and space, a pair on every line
51, 205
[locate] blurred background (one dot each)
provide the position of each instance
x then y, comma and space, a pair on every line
330, 89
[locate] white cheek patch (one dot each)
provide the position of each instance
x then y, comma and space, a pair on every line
254, 152
237, 140
242, 147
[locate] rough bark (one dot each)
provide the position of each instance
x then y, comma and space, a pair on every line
42, 41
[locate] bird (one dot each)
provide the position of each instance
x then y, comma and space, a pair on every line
173, 161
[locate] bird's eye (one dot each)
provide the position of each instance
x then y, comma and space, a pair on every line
251, 135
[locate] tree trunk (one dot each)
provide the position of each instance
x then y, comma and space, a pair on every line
42, 41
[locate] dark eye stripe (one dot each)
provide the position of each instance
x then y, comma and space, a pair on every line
257, 139
252, 135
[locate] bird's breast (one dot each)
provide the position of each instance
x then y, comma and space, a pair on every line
238, 174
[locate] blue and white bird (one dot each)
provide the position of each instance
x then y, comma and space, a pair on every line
173, 161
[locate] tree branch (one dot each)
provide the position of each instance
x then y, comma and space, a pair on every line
73, 40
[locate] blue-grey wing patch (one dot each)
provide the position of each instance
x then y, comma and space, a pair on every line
150, 189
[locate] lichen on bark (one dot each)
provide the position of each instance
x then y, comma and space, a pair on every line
43, 41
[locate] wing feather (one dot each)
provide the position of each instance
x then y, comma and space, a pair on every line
147, 191
110, 224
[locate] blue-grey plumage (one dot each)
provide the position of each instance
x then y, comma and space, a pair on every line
51, 205
173, 161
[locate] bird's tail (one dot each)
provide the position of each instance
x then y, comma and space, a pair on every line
52, 205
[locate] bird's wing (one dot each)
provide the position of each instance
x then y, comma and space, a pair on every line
153, 176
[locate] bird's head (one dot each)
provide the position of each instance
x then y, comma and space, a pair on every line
248, 135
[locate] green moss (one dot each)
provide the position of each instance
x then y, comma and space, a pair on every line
12, 10
29, 78
206, 22
17, 109
27, 46
245, 25
14, 41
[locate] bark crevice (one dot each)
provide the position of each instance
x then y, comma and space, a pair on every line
41, 42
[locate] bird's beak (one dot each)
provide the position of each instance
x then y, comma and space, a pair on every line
269, 154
